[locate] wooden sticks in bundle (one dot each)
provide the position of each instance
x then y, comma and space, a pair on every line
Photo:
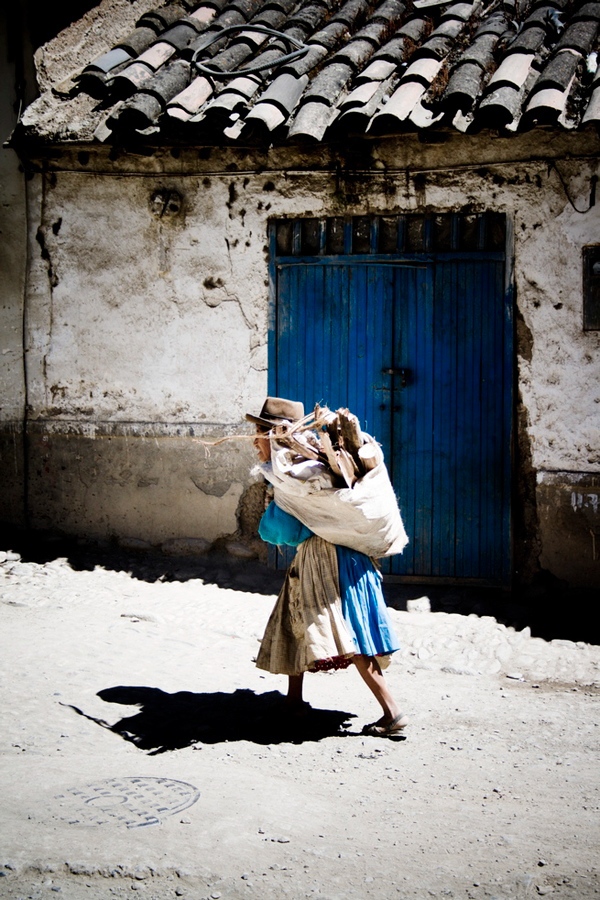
333, 438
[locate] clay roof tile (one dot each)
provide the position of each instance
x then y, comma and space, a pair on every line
138, 41
580, 36
358, 65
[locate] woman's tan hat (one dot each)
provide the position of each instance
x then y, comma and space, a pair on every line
276, 410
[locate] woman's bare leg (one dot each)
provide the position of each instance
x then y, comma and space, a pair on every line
294, 694
372, 675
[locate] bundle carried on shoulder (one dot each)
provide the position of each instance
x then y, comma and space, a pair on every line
331, 476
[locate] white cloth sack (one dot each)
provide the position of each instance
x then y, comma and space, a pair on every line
364, 517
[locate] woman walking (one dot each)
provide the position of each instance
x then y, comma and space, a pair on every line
330, 612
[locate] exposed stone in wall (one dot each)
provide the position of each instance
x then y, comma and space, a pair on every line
251, 508
526, 534
249, 513
526, 543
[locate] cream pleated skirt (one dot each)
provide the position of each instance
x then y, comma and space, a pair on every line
307, 630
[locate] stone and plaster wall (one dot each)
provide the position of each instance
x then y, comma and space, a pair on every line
147, 323
559, 377
138, 347
13, 251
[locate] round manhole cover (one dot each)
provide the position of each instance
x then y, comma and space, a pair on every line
126, 801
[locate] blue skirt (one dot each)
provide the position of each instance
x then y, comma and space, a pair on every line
365, 613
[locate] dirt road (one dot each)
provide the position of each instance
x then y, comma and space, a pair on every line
143, 751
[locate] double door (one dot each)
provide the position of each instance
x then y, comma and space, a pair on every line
420, 350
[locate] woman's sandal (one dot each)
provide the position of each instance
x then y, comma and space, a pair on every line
389, 729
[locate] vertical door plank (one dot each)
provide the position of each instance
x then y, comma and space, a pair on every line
444, 422
467, 461
404, 461
420, 385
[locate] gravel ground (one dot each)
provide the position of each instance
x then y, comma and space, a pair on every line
143, 751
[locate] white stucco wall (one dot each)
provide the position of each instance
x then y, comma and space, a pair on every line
165, 320
560, 386
128, 331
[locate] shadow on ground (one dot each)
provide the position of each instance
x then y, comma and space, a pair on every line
172, 721
551, 608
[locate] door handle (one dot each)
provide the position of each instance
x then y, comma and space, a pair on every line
405, 374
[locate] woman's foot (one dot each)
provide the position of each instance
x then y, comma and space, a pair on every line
297, 708
387, 726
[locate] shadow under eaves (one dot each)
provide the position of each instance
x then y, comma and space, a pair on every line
173, 721
150, 566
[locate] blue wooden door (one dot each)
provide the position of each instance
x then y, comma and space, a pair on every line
419, 350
